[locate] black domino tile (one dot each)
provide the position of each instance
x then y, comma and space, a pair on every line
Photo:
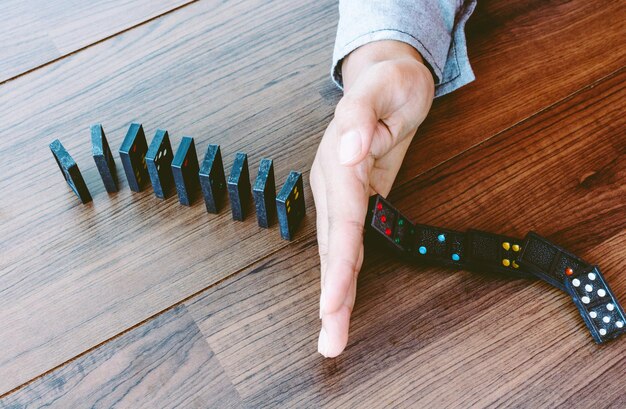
264, 193
290, 206
185, 171
438, 246
101, 153
239, 187
212, 179
494, 253
548, 261
70, 171
596, 303
384, 222
159, 160
133, 155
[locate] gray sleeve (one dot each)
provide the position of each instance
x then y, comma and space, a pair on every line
434, 27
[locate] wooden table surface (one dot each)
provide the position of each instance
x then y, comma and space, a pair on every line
130, 301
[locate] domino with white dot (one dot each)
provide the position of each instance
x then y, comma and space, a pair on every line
597, 304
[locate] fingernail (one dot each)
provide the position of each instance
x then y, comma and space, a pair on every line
349, 147
322, 343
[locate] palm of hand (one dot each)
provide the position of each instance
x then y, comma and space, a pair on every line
378, 116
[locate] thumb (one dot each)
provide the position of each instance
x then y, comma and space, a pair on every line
356, 121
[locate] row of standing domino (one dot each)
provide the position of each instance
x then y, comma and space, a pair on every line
165, 170
533, 257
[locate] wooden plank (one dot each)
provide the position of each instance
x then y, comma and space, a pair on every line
241, 74
74, 25
163, 363
34, 32
24, 42
63, 290
438, 338
526, 55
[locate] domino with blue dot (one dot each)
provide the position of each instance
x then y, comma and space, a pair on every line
438, 246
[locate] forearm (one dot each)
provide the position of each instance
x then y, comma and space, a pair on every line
434, 29
372, 53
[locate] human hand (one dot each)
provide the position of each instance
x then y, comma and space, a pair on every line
387, 94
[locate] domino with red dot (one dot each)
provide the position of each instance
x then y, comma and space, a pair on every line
391, 225
597, 304
548, 261
418, 242
133, 156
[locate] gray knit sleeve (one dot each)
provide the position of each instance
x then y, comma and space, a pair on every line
436, 28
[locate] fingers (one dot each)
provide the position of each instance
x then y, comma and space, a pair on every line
340, 195
346, 200
346, 205
335, 326
318, 187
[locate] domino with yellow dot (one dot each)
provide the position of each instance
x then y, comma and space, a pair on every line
290, 207
494, 253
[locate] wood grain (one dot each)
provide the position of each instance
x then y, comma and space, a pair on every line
34, 32
430, 337
252, 76
163, 363
24, 42
526, 55
131, 252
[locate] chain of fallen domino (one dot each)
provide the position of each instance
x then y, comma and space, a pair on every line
478, 250
159, 165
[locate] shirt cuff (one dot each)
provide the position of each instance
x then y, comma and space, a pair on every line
434, 28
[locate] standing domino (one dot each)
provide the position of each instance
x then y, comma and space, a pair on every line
290, 205
185, 171
239, 187
70, 171
104, 159
133, 155
159, 160
212, 179
264, 193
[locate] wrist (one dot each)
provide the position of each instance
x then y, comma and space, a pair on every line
376, 52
